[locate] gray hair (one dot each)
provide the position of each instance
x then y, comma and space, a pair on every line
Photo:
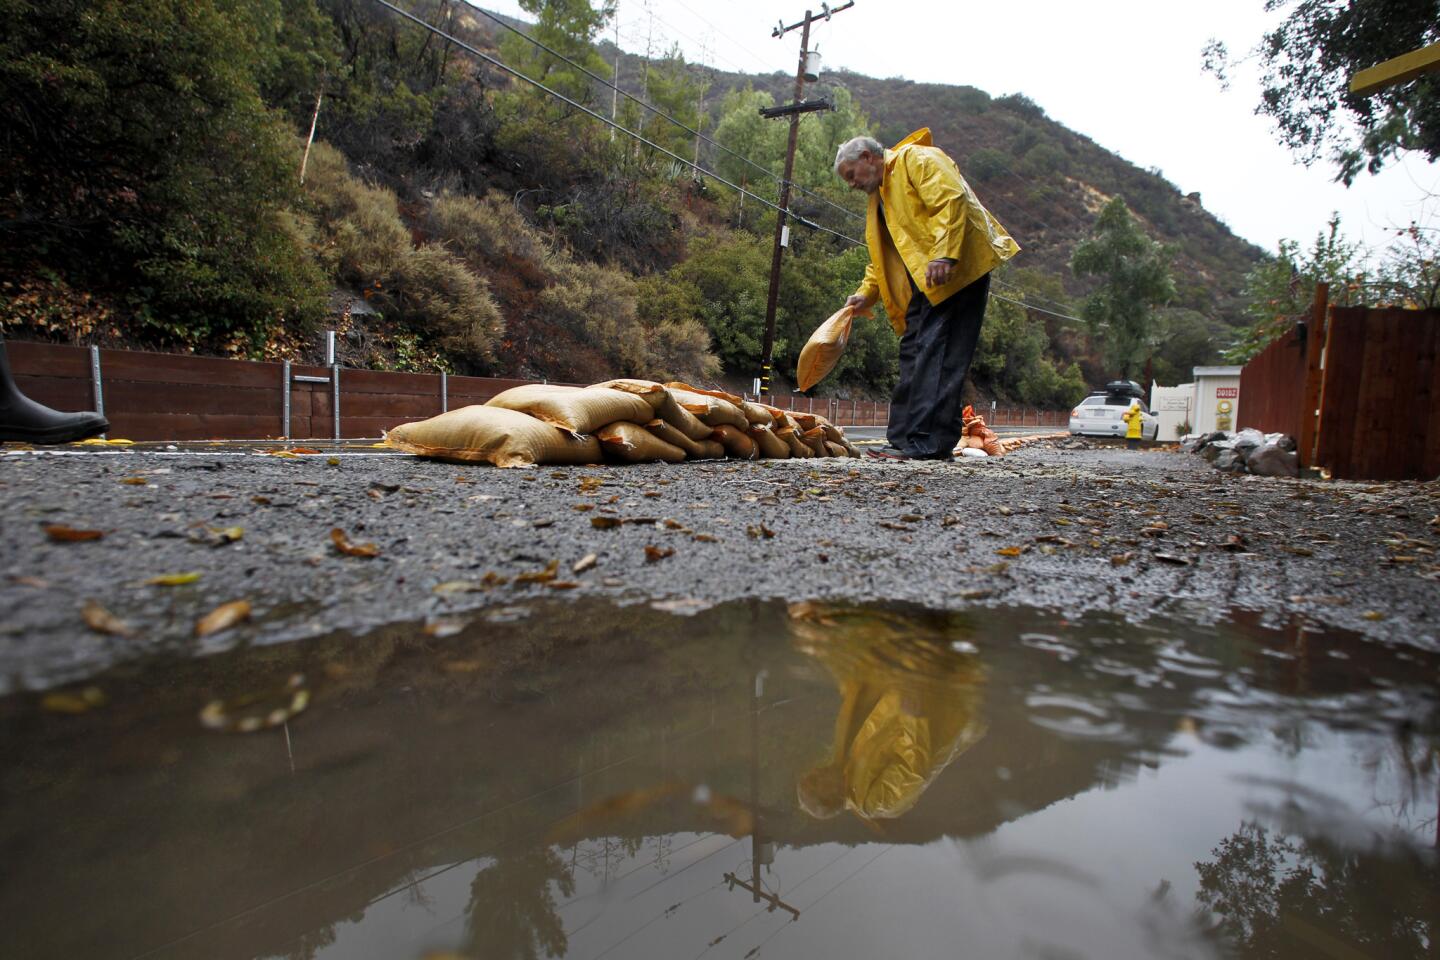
851, 150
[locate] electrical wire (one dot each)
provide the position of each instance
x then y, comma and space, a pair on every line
803, 221
660, 113
493, 61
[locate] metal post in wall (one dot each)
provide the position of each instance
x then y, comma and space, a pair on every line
97, 384
285, 400
444, 391
335, 395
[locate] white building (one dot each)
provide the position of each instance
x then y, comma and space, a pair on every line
1210, 403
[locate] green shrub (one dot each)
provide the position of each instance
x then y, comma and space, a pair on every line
449, 305
987, 164
484, 229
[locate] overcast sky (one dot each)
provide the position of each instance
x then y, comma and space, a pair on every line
1125, 73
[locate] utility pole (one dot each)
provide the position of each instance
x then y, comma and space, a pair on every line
782, 231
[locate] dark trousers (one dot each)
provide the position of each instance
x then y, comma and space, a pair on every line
935, 354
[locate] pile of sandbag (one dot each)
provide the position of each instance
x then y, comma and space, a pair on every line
976, 439
628, 421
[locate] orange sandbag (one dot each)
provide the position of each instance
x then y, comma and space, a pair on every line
737, 442
635, 444
824, 348
480, 434
994, 448
771, 446
836, 449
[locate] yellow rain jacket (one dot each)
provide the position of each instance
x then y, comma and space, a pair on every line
932, 213
1134, 419
908, 707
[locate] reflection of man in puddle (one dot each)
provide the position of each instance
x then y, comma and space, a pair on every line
910, 703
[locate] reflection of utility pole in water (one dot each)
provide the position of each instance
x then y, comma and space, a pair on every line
762, 850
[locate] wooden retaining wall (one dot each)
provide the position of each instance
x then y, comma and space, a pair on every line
161, 396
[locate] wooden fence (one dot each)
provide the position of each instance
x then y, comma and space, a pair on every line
160, 396
1359, 389
1271, 385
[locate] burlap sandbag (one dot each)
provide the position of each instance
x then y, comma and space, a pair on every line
756, 413
832, 433
737, 442
718, 394
664, 405
836, 449
815, 438
806, 421
712, 410
633, 443
822, 351
771, 446
648, 390
582, 410
791, 436
994, 448
479, 434
694, 449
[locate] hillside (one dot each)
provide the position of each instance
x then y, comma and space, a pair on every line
451, 217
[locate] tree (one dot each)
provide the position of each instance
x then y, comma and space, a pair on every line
1306, 65
142, 162
1134, 274
568, 27
1281, 289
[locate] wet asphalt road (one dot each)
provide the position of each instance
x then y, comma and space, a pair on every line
1098, 528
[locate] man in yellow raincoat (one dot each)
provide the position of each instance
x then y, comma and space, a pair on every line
909, 705
1134, 422
932, 247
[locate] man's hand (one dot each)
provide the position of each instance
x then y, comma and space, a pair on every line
938, 271
858, 303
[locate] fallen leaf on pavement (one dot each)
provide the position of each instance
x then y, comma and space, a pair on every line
343, 544
135, 481
73, 701
223, 617
656, 554
100, 620
540, 576
173, 579
1172, 558
456, 586
584, 563
1011, 551
604, 523
1120, 559
64, 534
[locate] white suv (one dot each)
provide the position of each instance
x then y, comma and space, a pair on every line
1098, 415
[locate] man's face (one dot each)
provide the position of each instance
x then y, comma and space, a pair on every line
862, 173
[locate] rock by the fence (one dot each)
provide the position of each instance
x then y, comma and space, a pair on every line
1229, 460
1271, 461
1213, 449
1247, 440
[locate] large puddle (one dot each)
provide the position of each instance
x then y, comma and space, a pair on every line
577, 780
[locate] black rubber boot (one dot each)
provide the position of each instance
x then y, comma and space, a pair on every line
25, 420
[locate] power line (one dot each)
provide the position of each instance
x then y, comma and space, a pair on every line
803, 221
493, 61
653, 109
